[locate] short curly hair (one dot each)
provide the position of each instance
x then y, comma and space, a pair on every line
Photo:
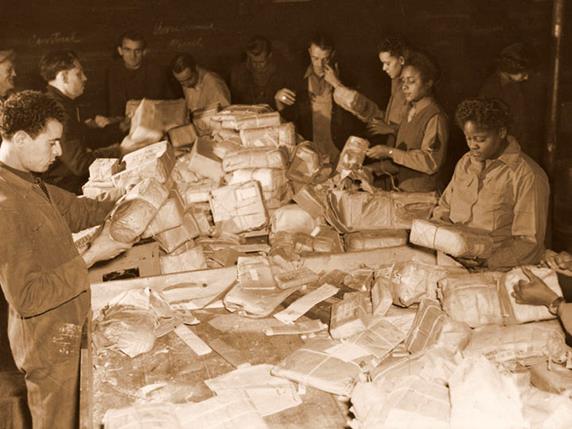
56, 61
488, 113
426, 66
28, 111
396, 46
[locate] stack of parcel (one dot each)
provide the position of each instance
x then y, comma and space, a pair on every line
315, 252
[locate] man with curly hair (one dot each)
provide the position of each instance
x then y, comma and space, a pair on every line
43, 277
496, 187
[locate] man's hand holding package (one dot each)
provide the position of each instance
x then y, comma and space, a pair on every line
103, 247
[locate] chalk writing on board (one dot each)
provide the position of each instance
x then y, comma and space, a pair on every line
161, 29
54, 39
182, 44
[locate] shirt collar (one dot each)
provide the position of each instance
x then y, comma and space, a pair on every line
419, 105
511, 153
25, 175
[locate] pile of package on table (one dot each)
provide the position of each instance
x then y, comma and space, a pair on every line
409, 342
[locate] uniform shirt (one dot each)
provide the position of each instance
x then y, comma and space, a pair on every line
148, 81
40, 268
506, 196
397, 105
427, 154
209, 91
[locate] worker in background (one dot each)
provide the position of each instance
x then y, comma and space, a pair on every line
510, 83
133, 77
7, 73
43, 277
256, 80
202, 88
310, 105
535, 292
496, 187
81, 144
421, 141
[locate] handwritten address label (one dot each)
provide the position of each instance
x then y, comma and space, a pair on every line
54, 39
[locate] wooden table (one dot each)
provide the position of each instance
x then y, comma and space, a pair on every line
110, 379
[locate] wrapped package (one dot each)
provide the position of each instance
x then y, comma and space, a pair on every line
274, 184
529, 313
292, 218
171, 239
183, 135
102, 169
381, 298
379, 338
203, 218
482, 396
416, 403
224, 148
353, 154
187, 258
350, 316
136, 209
102, 191
243, 122
409, 282
312, 199
313, 366
357, 104
525, 344
83, 239
182, 173
367, 240
249, 158
241, 205
169, 216
305, 164
363, 211
198, 192
203, 120
152, 118
204, 162
239, 110
455, 240
474, 298
281, 135
433, 327
155, 161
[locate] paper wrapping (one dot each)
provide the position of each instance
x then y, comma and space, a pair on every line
305, 163
102, 191
409, 282
363, 211
274, 184
83, 239
241, 204
198, 192
350, 316
236, 111
187, 258
224, 148
243, 122
203, 120
526, 344
433, 327
152, 118
379, 338
475, 298
311, 365
136, 209
281, 135
375, 239
102, 169
292, 218
203, 161
353, 154
172, 239
182, 173
312, 199
357, 104
169, 216
250, 158
183, 135
455, 240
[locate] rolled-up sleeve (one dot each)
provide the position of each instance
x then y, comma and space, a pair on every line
429, 158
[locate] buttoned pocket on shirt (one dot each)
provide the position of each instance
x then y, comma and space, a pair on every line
464, 197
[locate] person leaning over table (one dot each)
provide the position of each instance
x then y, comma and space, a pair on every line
496, 187
536, 292
421, 141
309, 102
43, 277
80, 144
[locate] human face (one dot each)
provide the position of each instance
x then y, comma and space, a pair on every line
518, 77
413, 86
187, 78
484, 143
320, 58
7, 75
258, 62
132, 53
37, 154
74, 81
391, 65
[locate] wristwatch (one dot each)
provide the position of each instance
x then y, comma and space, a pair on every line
554, 305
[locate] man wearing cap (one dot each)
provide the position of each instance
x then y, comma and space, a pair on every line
7, 73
